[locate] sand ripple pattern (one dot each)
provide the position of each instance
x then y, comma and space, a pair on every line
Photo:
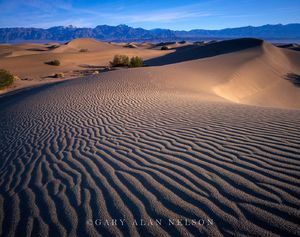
97, 148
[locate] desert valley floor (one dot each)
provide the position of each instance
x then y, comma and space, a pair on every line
213, 139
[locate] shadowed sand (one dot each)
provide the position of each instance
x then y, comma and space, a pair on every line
168, 142
191, 52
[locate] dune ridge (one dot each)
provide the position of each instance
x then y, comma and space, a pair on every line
31, 59
262, 79
247, 71
88, 44
253, 75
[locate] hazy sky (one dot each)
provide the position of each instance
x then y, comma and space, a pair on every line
149, 14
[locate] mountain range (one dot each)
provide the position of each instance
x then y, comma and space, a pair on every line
127, 33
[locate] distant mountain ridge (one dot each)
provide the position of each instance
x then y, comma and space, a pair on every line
126, 33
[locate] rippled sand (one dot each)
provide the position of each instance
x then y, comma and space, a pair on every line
122, 146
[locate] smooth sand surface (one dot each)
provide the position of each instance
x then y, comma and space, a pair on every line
156, 143
247, 71
27, 61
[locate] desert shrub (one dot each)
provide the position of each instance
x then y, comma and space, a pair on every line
136, 62
164, 47
295, 78
124, 61
6, 78
54, 62
120, 61
59, 75
83, 50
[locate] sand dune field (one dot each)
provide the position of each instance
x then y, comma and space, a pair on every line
27, 61
206, 146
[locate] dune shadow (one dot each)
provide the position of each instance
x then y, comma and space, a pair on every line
164, 43
51, 47
295, 47
91, 66
12, 97
37, 49
5, 54
294, 78
196, 51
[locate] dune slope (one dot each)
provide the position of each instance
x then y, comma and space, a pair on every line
126, 145
191, 52
262, 79
256, 76
247, 71
27, 61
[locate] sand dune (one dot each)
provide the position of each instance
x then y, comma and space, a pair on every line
10, 50
30, 65
122, 146
193, 51
88, 44
247, 71
172, 142
261, 80
255, 75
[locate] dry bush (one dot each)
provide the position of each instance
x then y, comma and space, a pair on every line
6, 78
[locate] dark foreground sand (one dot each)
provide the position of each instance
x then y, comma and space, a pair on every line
118, 146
